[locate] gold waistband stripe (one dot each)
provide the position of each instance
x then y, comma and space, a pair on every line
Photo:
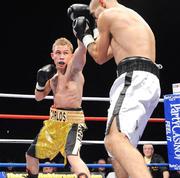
67, 115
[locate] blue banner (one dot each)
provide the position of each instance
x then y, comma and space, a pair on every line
172, 120
3, 175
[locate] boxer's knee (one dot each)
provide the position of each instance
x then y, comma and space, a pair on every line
113, 139
108, 143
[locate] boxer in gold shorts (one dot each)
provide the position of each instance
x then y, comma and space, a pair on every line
63, 131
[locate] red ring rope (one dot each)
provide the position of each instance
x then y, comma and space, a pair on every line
43, 117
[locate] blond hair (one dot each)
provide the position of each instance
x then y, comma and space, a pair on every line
63, 41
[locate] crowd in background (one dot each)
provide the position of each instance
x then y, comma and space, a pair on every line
150, 156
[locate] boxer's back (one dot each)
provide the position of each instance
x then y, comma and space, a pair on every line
130, 34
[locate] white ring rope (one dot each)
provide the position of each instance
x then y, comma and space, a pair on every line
25, 141
6, 95
86, 142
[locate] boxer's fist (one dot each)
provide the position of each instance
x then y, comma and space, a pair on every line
77, 10
82, 30
43, 75
81, 27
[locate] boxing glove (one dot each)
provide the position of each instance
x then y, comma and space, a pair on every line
82, 31
43, 75
77, 10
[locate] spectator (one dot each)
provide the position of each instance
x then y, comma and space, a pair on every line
175, 174
100, 170
151, 157
10, 168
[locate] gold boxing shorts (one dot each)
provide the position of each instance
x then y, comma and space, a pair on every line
64, 126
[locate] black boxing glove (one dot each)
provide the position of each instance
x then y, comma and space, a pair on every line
77, 10
82, 30
43, 75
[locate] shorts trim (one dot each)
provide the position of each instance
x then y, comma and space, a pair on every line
137, 63
128, 80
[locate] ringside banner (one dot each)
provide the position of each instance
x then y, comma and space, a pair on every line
172, 120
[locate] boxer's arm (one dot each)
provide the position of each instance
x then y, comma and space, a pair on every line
43, 81
98, 49
79, 57
101, 49
100, 55
40, 95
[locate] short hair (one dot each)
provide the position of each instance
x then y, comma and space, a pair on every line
149, 144
82, 175
62, 41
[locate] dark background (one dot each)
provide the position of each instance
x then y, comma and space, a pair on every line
28, 31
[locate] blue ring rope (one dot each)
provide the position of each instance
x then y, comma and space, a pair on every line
62, 165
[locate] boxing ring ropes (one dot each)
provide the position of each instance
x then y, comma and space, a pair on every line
85, 142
